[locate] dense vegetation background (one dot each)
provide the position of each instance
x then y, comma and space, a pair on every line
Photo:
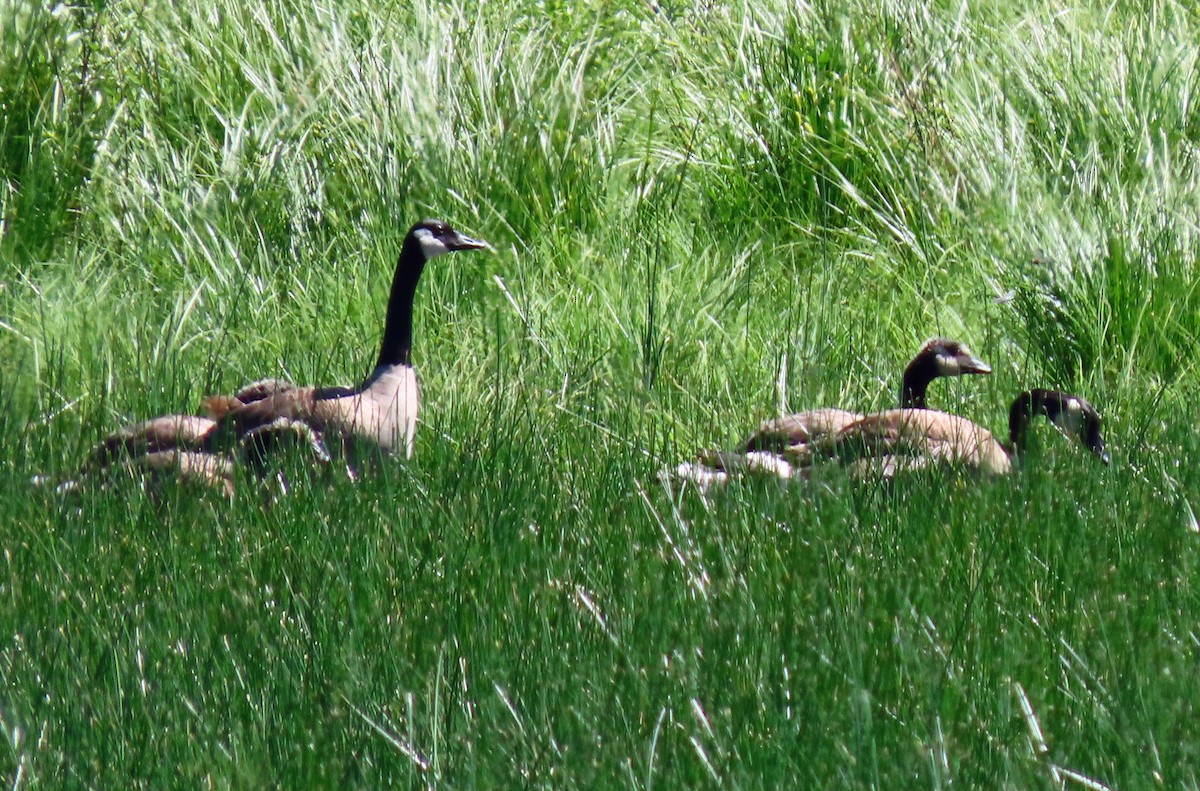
703, 215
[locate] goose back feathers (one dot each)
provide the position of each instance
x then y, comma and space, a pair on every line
383, 411
937, 436
898, 439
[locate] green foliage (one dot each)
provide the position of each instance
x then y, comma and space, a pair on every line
51, 120
703, 216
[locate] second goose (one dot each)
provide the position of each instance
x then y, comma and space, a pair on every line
939, 357
775, 445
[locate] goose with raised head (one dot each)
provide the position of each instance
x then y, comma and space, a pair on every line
381, 411
774, 447
889, 442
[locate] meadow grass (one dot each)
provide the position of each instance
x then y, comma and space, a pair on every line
702, 216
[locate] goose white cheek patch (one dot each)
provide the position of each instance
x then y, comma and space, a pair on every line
1071, 418
948, 366
431, 246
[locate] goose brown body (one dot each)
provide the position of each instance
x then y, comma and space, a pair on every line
889, 442
168, 432
179, 444
383, 412
218, 406
800, 428
212, 470
937, 436
183, 444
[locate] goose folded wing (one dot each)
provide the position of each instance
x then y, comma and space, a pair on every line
167, 432
938, 436
297, 403
218, 406
798, 429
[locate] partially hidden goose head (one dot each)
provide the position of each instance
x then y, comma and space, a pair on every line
901, 439
939, 357
1072, 414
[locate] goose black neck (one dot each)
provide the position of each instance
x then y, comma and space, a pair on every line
1024, 408
396, 348
917, 376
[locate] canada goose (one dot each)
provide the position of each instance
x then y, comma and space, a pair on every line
382, 410
899, 439
779, 442
937, 358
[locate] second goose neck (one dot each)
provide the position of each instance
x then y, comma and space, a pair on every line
1024, 407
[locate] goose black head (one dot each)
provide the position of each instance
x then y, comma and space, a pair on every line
938, 357
954, 358
426, 240
1076, 418
436, 237
1071, 414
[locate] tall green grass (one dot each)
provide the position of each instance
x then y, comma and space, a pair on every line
703, 216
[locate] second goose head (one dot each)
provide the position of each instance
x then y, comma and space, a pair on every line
1071, 414
903, 439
